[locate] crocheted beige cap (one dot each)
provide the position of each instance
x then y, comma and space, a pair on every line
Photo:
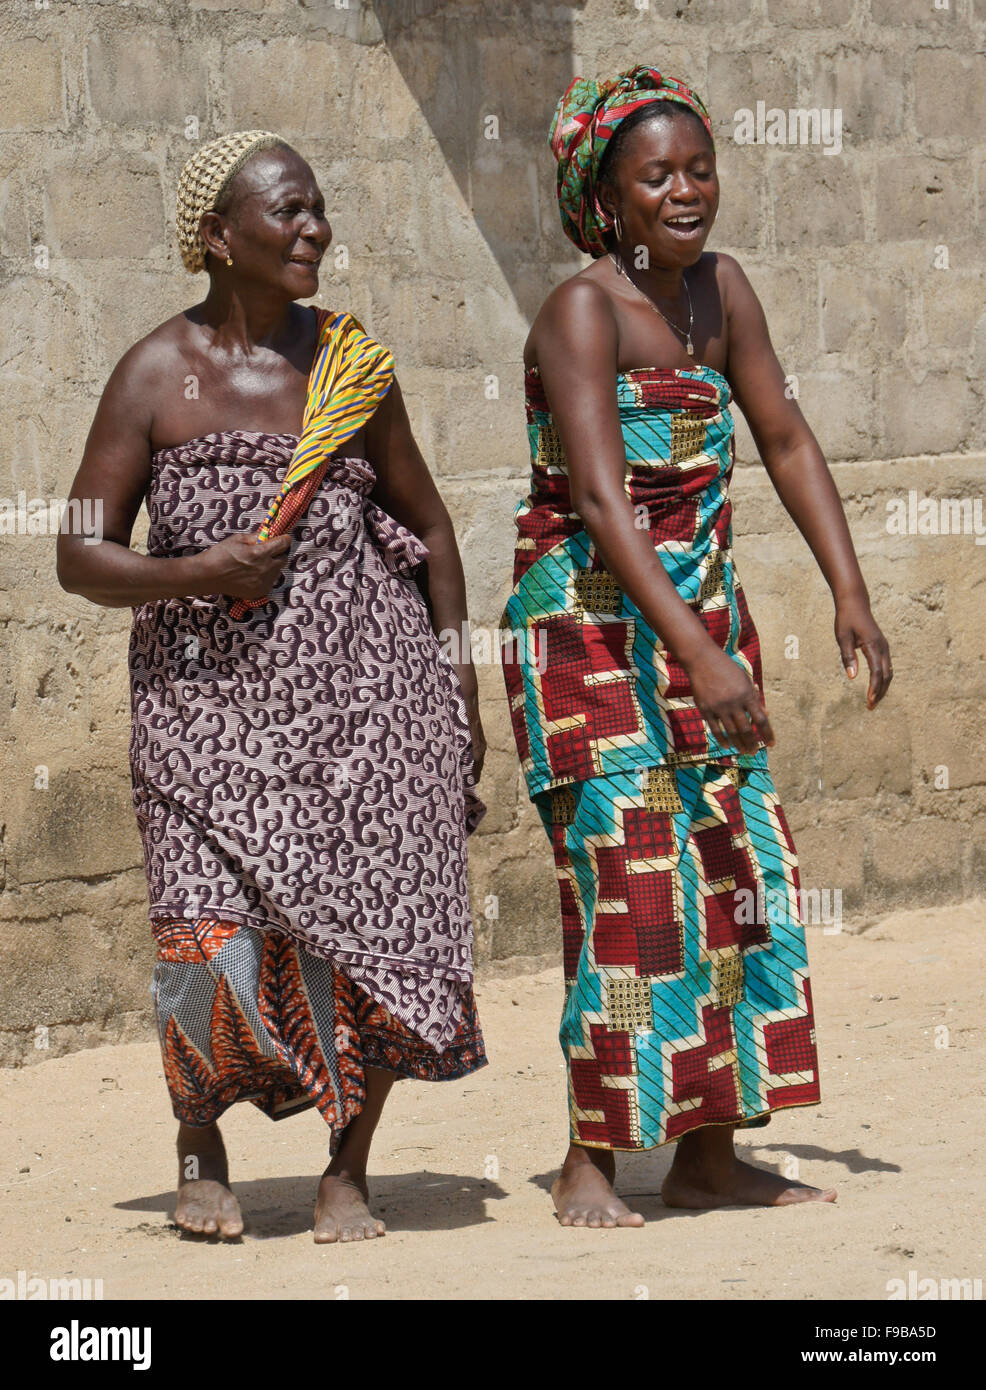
203, 180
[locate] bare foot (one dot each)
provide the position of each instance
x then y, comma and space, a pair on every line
205, 1205
341, 1213
583, 1191
707, 1173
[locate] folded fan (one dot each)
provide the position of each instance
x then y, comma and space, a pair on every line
350, 376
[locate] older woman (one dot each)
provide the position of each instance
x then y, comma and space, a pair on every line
637, 694
303, 754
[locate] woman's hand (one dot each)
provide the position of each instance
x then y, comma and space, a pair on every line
855, 627
242, 568
728, 700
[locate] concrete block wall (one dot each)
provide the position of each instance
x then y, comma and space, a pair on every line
870, 267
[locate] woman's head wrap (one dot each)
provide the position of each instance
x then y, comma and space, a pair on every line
203, 180
585, 120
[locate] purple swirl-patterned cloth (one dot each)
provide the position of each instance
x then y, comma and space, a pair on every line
308, 769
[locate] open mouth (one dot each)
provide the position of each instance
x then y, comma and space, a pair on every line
305, 260
686, 225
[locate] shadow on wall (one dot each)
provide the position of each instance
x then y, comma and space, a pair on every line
487, 80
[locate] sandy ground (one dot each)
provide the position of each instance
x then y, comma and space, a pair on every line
462, 1169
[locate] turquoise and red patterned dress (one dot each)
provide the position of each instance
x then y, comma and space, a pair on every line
687, 997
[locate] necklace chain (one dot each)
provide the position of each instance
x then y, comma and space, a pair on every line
689, 345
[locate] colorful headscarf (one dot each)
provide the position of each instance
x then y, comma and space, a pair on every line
585, 120
349, 378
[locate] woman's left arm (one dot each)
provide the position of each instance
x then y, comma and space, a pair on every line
800, 475
406, 490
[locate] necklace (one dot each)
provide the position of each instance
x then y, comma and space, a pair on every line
689, 345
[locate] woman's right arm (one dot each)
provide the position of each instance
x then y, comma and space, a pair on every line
109, 488
577, 347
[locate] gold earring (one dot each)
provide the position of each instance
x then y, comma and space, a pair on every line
229, 260
618, 225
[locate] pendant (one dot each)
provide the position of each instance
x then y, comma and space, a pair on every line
690, 347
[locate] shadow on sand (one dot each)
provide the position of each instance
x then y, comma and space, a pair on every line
426, 1201
640, 1175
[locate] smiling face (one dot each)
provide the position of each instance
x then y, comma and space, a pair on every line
662, 182
271, 221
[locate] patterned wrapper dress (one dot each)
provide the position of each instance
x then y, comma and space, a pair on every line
304, 787
687, 996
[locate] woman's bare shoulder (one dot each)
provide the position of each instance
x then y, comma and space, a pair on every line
727, 272
129, 399
579, 304
157, 349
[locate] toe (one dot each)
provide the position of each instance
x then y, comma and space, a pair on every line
230, 1220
